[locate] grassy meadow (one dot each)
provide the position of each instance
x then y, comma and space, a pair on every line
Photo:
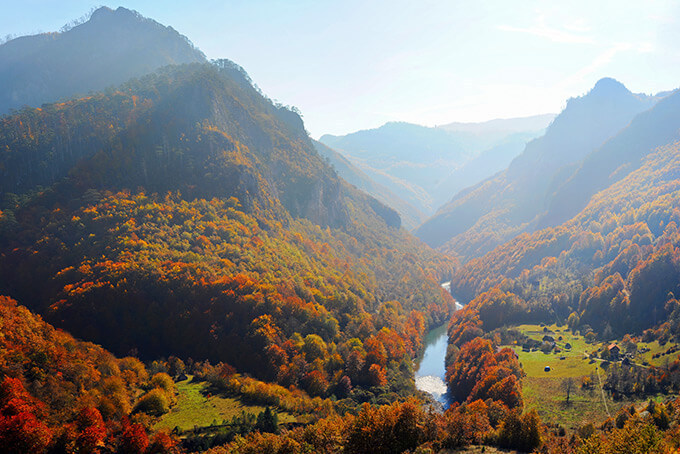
546, 391
197, 407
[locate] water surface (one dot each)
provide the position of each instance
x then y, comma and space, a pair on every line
430, 369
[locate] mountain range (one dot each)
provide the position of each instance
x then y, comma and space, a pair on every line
410, 216
495, 210
214, 231
425, 166
158, 207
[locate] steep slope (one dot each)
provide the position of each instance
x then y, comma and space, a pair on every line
406, 158
267, 160
618, 157
410, 216
482, 166
108, 49
416, 162
186, 214
613, 268
486, 215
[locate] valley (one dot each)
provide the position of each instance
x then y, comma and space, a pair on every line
184, 268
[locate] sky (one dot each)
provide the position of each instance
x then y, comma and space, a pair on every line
357, 64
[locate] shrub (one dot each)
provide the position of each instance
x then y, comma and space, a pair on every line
154, 403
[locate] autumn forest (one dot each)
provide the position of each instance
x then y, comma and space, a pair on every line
184, 269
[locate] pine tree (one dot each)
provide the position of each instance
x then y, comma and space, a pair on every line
268, 421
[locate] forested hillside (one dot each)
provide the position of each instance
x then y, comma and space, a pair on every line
214, 231
183, 269
64, 395
611, 269
488, 214
619, 156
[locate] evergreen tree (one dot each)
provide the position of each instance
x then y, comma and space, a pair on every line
268, 421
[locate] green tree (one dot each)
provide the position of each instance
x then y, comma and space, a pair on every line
268, 421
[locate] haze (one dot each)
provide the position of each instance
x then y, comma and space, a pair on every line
355, 65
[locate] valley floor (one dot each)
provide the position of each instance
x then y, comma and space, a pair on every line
546, 393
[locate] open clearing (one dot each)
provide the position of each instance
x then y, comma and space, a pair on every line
196, 407
545, 391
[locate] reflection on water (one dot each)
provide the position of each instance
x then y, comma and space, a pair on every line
430, 370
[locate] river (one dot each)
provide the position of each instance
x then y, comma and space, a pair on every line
430, 368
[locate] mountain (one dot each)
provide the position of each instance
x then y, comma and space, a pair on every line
614, 265
110, 48
406, 158
619, 156
185, 214
485, 215
496, 129
421, 164
410, 215
104, 127
487, 163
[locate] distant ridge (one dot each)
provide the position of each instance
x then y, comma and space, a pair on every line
108, 49
411, 217
530, 123
481, 217
425, 166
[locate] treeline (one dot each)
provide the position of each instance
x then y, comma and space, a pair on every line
406, 427
396, 428
652, 428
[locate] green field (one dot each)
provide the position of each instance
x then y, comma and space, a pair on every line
655, 348
544, 391
196, 407
575, 363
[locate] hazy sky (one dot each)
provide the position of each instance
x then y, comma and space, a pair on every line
356, 64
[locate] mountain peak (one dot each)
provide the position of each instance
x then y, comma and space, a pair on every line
106, 12
102, 11
108, 49
608, 87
